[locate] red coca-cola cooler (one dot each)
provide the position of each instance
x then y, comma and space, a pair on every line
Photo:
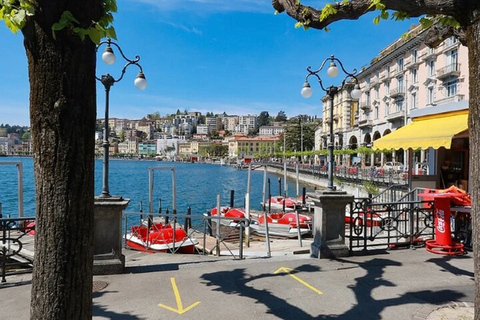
443, 243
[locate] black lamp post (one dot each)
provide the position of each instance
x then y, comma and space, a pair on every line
331, 91
108, 81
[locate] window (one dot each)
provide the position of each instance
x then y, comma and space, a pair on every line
377, 95
414, 75
388, 71
413, 100
431, 67
387, 88
399, 104
451, 86
387, 107
400, 84
367, 98
400, 64
414, 55
376, 112
451, 41
430, 95
452, 60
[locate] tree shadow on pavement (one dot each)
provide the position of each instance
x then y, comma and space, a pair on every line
365, 306
444, 262
102, 311
236, 282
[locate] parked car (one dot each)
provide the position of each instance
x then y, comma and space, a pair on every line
393, 166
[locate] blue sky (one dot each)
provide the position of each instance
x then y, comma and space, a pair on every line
210, 55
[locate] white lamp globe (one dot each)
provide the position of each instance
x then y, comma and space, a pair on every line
332, 70
356, 92
108, 57
306, 91
140, 81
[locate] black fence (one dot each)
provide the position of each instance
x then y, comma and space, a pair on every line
378, 176
375, 225
16, 235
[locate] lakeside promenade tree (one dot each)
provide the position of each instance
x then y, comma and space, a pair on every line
455, 17
59, 40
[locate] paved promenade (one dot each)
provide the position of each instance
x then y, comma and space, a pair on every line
400, 284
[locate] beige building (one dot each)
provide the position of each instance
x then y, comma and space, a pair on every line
128, 147
403, 79
240, 146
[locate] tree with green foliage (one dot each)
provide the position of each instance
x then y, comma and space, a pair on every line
281, 116
26, 135
213, 151
60, 42
299, 134
263, 119
445, 18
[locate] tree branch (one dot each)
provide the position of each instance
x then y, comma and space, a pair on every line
354, 9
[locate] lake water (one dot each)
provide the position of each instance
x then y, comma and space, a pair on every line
197, 185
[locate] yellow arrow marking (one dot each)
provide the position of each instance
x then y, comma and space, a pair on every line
179, 309
287, 270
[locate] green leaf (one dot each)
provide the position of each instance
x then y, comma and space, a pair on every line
328, 10
384, 14
111, 33
425, 22
80, 32
95, 35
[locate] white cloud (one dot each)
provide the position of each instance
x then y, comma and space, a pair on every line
260, 6
185, 28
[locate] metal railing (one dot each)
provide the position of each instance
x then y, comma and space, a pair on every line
14, 257
222, 229
351, 174
375, 225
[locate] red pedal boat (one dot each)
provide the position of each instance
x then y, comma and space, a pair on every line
283, 224
160, 238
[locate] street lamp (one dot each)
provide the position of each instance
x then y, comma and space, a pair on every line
108, 81
331, 91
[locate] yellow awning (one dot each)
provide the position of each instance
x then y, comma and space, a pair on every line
433, 131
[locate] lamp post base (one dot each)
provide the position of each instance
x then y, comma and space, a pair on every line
329, 224
107, 250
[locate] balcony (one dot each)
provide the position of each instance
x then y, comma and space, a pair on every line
365, 105
398, 71
452, 70
365, 123
429, 54
394, 116
399, 91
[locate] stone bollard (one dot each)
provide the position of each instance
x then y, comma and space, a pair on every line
329, 223
107, 246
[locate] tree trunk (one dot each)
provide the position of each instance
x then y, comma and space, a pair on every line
473, 42
62, 116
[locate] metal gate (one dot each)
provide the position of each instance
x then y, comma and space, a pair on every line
388, 225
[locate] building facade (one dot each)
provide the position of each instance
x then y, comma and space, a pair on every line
404, 77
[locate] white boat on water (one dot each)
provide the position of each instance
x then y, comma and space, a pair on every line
277, 203
234, 215
160, 238
283, 224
